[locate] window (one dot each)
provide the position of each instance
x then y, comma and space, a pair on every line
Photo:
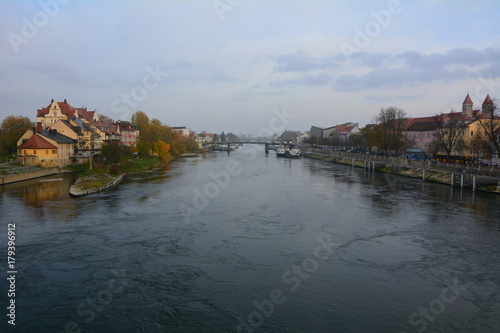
55, 114
471, 133
25, 152
54, 152
47, 152
34, 152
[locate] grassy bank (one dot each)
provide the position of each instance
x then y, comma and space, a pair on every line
103, 176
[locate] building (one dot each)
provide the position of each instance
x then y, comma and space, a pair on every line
129, 134
421, 133
47, 148
56, 111
183, 130
341, 133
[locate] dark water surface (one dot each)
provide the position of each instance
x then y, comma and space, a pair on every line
253, 243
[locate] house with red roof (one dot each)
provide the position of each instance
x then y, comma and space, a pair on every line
47, 148
55, 111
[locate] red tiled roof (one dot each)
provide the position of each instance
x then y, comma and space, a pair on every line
36, 142
423, 126
67, 110
467, 99
488, 100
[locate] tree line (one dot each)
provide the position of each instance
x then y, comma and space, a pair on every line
386, 133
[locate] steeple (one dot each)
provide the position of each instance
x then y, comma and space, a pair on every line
487, 107
467, 106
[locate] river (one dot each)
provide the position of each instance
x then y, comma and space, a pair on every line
248, 242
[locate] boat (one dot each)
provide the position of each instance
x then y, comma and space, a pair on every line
287, 151
292, 153
281, 151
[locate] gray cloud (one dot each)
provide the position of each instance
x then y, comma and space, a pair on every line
321, 79
410, 68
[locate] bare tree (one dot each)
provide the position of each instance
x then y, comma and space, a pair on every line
479, 146
390, 125
490, 123
450, 129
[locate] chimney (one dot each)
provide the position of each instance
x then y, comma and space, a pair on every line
65, 101
51, 101
34, 130
39, 127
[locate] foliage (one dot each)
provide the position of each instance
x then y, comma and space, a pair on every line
114, 152
223, 137
141, 164
7, 158
191, 145
162, 150
11, 130
152, 131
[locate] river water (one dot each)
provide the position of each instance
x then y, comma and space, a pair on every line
247, 242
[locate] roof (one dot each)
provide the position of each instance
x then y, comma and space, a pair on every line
56, 136
488, 100
422, 126
81, 124
67, 110
467, 99
37, 142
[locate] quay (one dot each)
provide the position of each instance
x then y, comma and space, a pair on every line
472, 177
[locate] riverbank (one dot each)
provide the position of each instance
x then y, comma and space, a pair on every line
456, 176
102, 179
31, 174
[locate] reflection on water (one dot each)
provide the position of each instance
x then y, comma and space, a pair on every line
400, 242
42, 189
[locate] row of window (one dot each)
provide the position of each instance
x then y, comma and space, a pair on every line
46, 152
461, 133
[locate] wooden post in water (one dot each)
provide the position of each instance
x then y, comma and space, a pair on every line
452, 178
474, 183
423, 174
462, 180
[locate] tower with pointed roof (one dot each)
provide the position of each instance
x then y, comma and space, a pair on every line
487, 107
467, 106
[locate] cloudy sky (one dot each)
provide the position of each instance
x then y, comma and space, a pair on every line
232, 65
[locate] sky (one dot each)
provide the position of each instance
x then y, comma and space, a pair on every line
248, 66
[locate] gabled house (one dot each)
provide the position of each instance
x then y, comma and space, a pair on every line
48, 148
422, 133
55, 111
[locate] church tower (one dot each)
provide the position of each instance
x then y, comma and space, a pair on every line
487, 107
467, 106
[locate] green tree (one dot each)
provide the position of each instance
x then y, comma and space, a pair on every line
114, 152
11, 130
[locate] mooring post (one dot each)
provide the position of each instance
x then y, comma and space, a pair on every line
423, 174
474, 183
462, 180
452, 178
